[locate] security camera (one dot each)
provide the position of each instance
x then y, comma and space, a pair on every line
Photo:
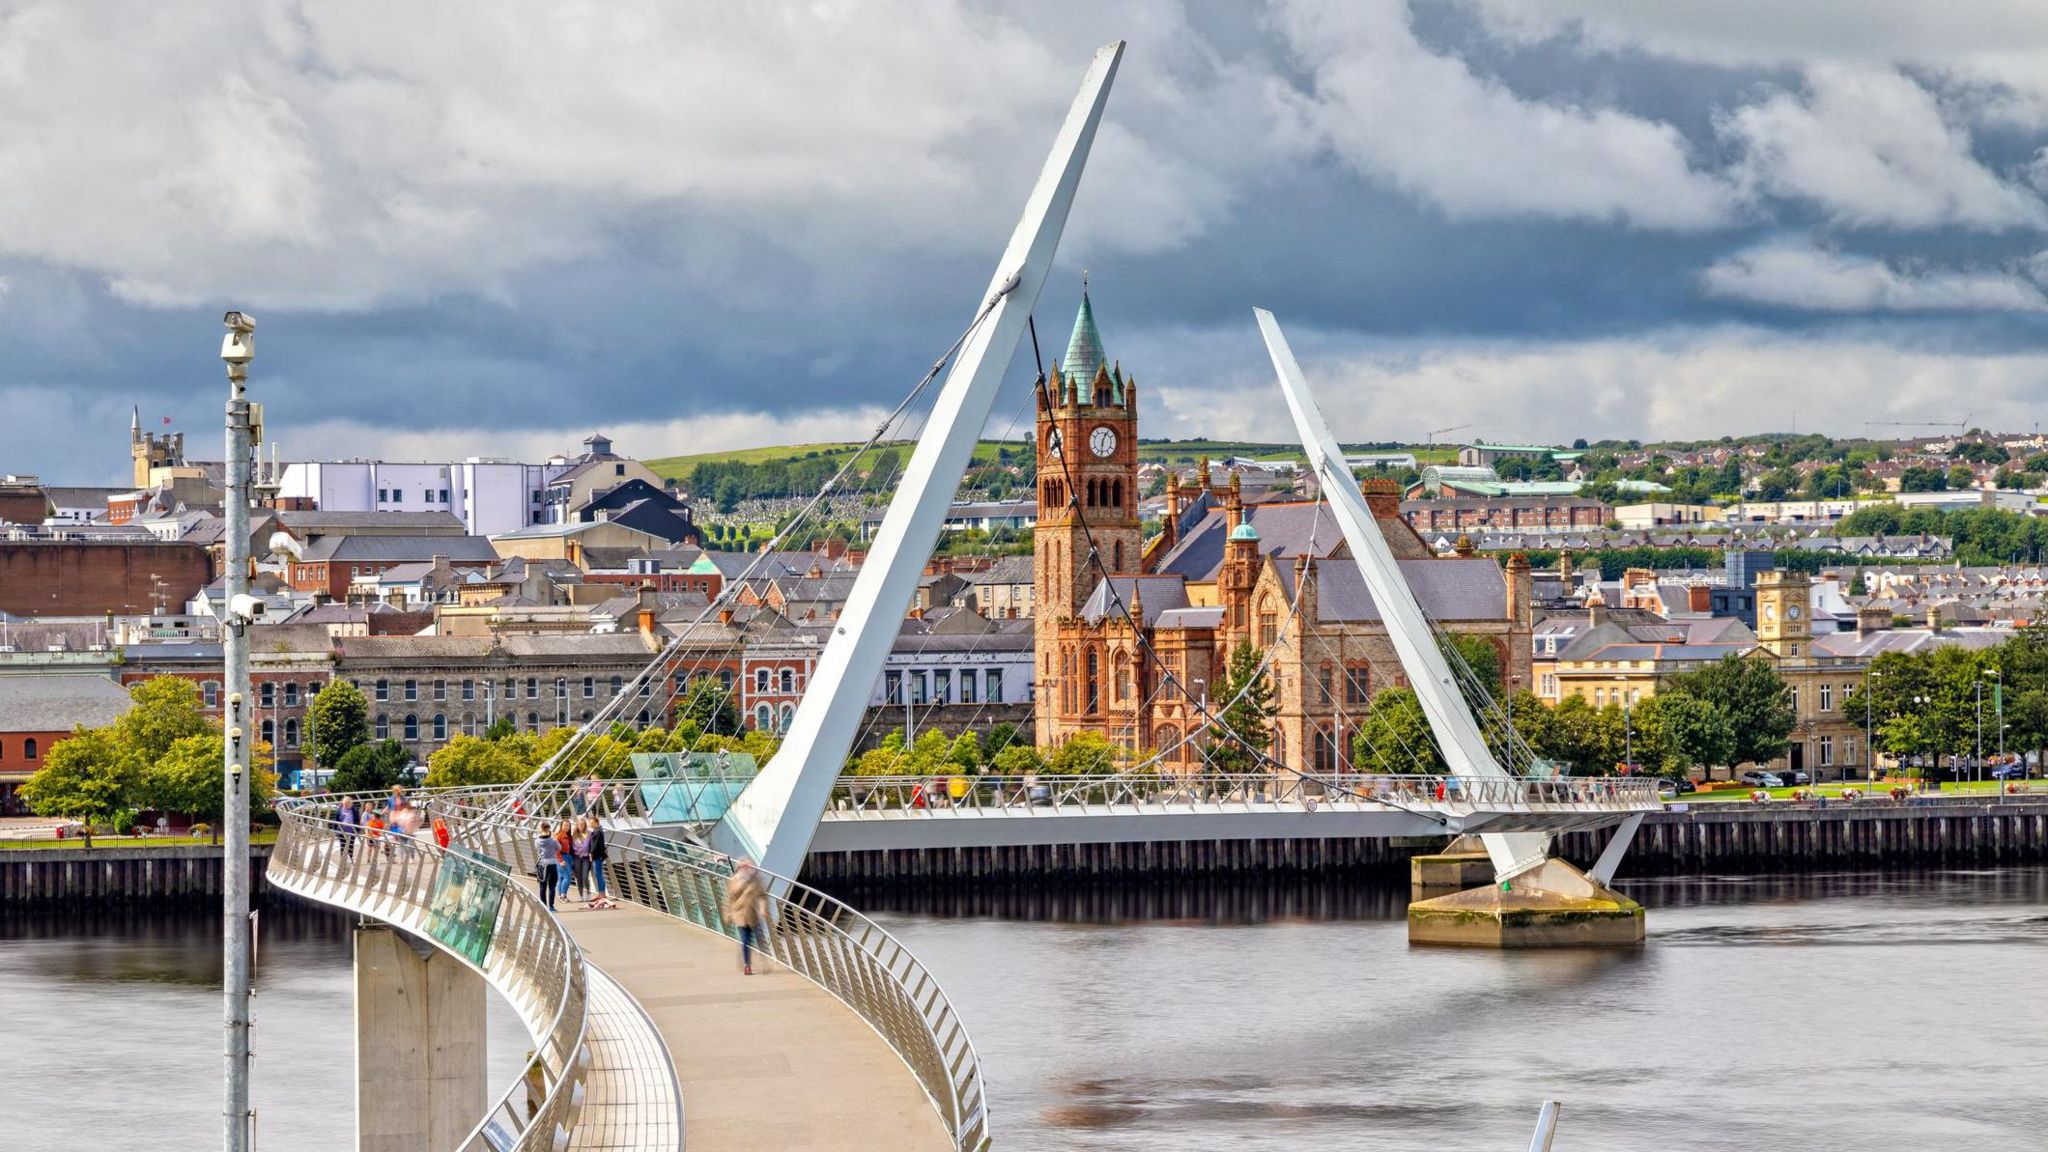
247, 608
239, 345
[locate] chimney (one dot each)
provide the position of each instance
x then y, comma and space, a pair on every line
1463, 547
1873, 618
646, 622
1699, 598
725, 615
1383, 496
1204, 478
1596, 607
1521, 589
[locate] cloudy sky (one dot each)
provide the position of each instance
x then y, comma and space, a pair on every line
486, 228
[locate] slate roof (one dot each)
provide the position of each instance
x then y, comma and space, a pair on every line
1448, 589
317, 521
384, 549
59, 703
1207, 617
1285, 529
1155, 594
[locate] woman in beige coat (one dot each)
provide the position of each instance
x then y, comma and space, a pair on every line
746, 908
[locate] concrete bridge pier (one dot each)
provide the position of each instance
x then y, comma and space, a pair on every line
421, 1078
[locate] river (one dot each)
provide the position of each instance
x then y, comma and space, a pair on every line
1834, 1012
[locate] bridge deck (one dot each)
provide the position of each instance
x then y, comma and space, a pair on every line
767, 1061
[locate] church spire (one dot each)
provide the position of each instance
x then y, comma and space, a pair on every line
1084, 348
135, 426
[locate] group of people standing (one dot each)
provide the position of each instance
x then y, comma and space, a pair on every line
381, 825
572, 852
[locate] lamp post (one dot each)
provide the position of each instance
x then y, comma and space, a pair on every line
237, 348
1920, 704
1869, 731
1998, 714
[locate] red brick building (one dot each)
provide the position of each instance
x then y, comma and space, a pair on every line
37, 711
47, 576
1505, 514
328, 564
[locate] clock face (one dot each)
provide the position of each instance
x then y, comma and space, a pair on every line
1793, 612
1102, 441
1770, 611
1052, 444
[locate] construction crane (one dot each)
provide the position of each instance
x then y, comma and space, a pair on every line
1436, 432
1960, 426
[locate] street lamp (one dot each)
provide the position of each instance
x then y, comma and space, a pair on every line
1920, 704
237, 348
1998, 708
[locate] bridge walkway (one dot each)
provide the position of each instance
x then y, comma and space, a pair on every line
767, 1062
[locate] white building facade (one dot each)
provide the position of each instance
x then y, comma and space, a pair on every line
489, 496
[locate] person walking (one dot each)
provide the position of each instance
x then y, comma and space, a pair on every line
746, 908
375, 833
579, 863
548, 851
598, 855
441, 836
346, 824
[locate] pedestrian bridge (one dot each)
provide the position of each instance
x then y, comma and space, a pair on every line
882, 813
842, 1042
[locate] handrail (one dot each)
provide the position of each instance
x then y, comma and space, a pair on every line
530, 957
816, 936
858, 797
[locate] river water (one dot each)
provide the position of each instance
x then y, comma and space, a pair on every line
1827, 1012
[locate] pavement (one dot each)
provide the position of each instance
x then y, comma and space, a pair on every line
767, 1062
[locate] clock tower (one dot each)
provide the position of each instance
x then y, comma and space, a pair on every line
1782, 619
1087, 430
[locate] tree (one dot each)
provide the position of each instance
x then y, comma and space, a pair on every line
337, 721
166, 711
370, 767
1753, 697
885, 759
1920, 478
1019, 759
501, 728
1242, 734
966, 752
1394, 737
88, 777
999, 737
1085, 754
1960, 477
726, 496
1684, 732
1480, 654
191, 777
466, 761
710, 705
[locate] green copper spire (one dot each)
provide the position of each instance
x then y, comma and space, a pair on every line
1084, 349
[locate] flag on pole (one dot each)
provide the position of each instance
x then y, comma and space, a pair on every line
167, 419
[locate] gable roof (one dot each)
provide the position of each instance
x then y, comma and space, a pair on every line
58, 702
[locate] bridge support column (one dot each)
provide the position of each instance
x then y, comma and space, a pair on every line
1464, 863
1552, 905
421, 1080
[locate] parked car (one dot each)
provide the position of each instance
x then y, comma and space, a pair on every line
1757, 778
1676, 785
1795, 777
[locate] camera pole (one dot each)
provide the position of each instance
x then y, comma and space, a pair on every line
237, 349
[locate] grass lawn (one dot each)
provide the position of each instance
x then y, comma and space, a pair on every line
1833, 789
260, 836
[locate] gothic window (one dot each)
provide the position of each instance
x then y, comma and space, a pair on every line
1119, 566
1325, 688
1093, 688
1118, 494
1123, 678
291, 732
1269, 628
1166, 741
1326, 750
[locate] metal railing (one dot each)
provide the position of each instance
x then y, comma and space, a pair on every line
530, 959
856, 797
812, 934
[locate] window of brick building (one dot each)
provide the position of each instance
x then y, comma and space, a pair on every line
1357, 683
